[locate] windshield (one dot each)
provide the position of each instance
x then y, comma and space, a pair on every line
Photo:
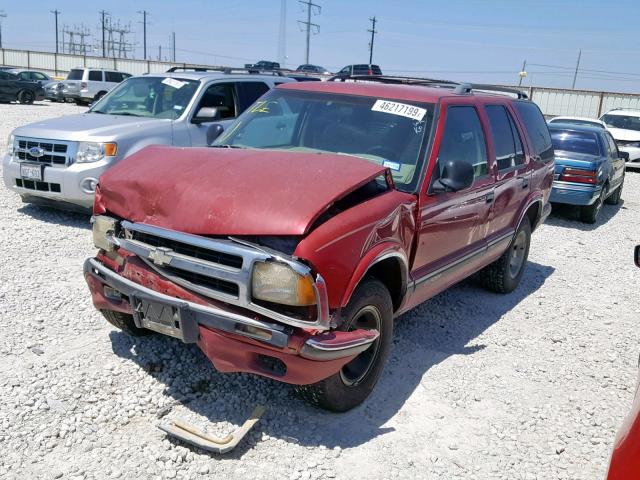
576, 142
622, 121
384, 132
75, 75
154, 97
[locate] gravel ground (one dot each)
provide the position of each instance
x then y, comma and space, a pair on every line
480, 386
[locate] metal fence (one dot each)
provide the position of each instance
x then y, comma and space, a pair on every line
552, 101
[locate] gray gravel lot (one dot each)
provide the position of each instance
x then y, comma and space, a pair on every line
479, 386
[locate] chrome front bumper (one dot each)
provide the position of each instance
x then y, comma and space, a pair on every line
186, 317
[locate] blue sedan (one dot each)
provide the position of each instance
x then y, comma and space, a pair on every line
589, 168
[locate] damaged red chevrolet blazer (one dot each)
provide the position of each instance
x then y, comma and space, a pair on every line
325, 211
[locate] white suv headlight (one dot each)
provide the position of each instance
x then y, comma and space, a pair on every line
10, 142
93, 152
278, 283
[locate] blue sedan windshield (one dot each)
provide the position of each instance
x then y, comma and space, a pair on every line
576, 142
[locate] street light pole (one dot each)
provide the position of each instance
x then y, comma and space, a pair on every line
56, 12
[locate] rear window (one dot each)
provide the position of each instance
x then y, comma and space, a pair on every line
575, 142
75, 74
537, 129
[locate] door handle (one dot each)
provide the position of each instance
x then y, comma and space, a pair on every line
489, 197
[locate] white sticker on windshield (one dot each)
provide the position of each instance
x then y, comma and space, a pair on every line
402, 109
392, 165
172, 82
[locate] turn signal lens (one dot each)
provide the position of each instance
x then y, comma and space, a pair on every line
110, 149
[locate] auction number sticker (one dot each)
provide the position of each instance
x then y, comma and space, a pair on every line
172, 82
402, 109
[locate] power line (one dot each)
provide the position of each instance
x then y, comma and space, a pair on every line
373, 34
310, 26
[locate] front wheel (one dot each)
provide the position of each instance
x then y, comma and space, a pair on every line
370, 308
124, 322
503, 275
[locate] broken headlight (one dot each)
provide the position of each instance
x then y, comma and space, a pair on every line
279, 283
104, 228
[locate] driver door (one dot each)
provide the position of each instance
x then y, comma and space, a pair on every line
452, 226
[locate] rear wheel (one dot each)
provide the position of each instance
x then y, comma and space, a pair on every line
370, 308
503, 275
589, 213
614, 198
26, 97
124, 322
98, 96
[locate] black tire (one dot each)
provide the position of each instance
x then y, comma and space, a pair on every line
26, 97
589, 213
124, 322
503, 275
614, 198
352, 385
98, 96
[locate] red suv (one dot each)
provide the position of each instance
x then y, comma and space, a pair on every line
325, 211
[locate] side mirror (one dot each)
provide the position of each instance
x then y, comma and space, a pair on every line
213, 132
623, 155
637, 256
456, 175
205, 114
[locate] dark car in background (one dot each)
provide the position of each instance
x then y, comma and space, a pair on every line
589, 168
13, 88
262, 66
359, 69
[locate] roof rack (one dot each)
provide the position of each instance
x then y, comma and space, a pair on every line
463, 88
227, 70
459, 88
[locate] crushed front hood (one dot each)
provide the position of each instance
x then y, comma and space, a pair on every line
624, 134
215, 191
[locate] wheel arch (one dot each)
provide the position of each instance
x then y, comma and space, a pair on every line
532, 212
389, 266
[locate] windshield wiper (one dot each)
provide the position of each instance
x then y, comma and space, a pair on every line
225, 146
127, 114
96, 111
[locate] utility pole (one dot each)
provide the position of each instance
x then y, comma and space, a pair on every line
56, 12
282, 34
173, 46
310, 26
373, 34
2, 15
102, 17
522, 73
577, 67
144, 31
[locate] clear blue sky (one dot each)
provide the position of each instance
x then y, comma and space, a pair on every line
474, 40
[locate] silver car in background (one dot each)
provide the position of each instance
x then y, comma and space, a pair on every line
57, 162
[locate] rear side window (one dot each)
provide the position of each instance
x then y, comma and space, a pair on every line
506, 139
75, 74
463, 139
613, 148
249, 92
115, 77
95, 75
537, 130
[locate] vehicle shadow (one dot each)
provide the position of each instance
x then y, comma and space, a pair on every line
568, 216
442, 327
54, 215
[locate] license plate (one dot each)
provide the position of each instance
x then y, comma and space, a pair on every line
31, 172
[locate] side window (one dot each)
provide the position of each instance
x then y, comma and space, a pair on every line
506, 138
613, 147
38, 76
24, 76
4, 76
114, 77
220, 96
463, 139
95, 75
536, 128
249, 92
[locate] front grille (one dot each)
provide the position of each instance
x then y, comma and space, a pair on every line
216, 284
54, 153
39, 186
200, 253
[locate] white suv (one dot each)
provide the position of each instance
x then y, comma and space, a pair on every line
624, 126
86, 85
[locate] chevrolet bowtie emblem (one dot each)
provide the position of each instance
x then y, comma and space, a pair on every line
161, 256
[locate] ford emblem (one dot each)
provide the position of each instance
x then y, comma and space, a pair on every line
36, 152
